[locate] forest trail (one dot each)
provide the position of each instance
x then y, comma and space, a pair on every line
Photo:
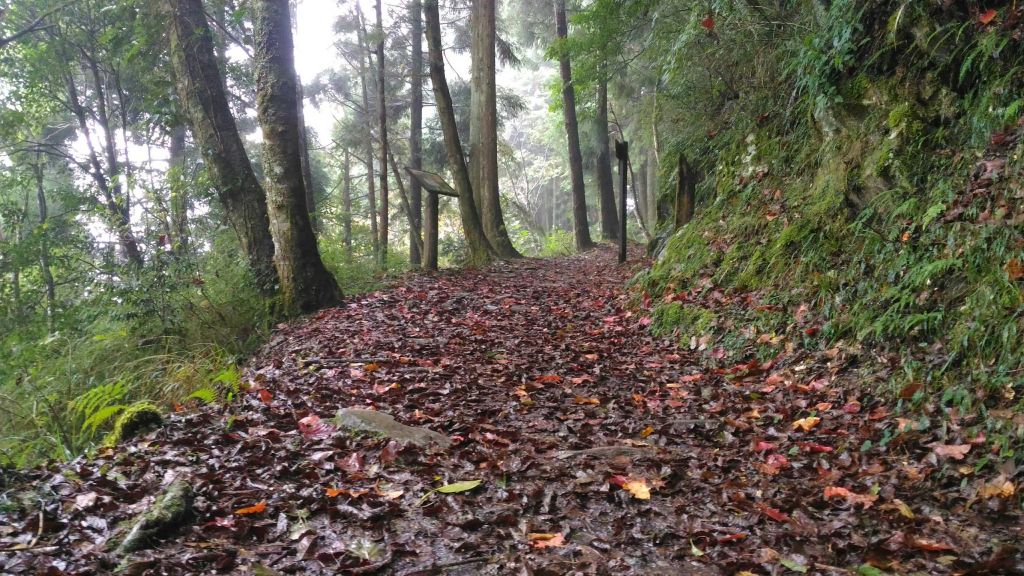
599, 449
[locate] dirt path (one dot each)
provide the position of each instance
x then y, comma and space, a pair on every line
558, 400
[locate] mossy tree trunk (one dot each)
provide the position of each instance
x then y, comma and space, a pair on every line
480, 250
306, 285
581, 225
201, 91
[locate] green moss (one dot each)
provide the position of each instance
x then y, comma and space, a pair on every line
677, 318
135, 418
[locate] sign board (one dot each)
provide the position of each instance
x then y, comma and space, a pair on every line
432, 182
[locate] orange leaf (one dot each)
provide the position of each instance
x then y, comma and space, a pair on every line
254, 509
546, 540
265, 396
372, 367
548, 379
998, 488
985, 17
806, 424
773, 513
585, 400
865, 500
638, 488
332, 492
647, 432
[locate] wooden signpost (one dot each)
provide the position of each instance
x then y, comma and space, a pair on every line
434, 185
622, 153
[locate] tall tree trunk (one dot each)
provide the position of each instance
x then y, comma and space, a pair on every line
307, 167
179, 201
382, 115
201, 92
416, 132
346, 205
306, 285
483, 129
579, 196
44, 245
480, 250
609, 213
368, 122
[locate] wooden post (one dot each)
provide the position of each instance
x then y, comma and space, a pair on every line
430, 232
622, 153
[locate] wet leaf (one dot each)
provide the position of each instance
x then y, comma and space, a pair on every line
987, 16
254, 509
456, 487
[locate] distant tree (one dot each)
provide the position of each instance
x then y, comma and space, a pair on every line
609, 214
416, 129
306, 285
382, 127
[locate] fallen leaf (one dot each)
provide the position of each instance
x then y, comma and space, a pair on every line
954, 451
806, 424
773, 513
265, 396
865, 500
987, 16
254, 509
585, 400
708, 23
930, 545
1001, 487
647, 432
638, 488
456, 487
546, 540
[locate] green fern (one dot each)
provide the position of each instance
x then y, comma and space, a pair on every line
94, 406
206, 395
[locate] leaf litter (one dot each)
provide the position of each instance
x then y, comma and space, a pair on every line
577, 443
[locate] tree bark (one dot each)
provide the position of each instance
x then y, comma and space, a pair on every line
480, 250
581, 226
382, 122
306, 285
179, 200
346, 205
45, 271
609, 213
402, 195
201, 92
416, 133
370, 184
483, 129
685, 186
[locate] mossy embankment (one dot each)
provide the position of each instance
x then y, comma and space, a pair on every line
875, 202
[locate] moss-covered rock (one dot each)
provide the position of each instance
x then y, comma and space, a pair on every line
170, 509
135, 419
